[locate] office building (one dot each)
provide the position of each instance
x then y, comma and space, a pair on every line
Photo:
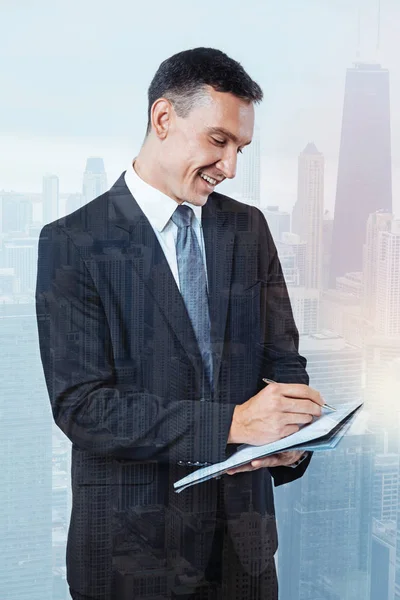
15, 213
278, 221
377, 221
94, 179
387, 318
292, 255
50, 199
307, 216
383, 560
364, 181
327, 229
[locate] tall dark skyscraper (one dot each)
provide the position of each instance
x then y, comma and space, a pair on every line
364, 183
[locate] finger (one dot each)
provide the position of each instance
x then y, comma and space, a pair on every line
280, 459
291, 453
295, 405
291, 457
270, 461
273, 460
300, 390
241, 469
291, 418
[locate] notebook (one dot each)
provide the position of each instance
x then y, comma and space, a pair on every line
324, 433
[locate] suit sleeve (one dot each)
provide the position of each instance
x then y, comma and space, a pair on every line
94, 411
280, 337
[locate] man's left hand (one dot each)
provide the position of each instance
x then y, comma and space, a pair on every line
281, 459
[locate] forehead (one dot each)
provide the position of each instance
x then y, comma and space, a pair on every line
225, 113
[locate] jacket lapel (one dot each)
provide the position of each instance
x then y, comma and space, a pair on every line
126, 215
219, 243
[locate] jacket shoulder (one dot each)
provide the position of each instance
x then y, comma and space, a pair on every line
227, 203
83, 219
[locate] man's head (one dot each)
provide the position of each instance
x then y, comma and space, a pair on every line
200, 116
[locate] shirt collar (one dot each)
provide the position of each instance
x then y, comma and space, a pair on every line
157, 206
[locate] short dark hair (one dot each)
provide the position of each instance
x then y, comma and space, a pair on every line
182, 78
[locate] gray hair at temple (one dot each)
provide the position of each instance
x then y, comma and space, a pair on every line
182, 78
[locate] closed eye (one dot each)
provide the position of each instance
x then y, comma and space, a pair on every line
221, 143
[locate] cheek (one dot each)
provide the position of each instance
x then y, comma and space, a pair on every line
201, 153
207, 159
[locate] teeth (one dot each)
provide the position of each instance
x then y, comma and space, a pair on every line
209, 179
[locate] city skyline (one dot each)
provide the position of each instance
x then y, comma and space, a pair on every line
303, 100
339, 526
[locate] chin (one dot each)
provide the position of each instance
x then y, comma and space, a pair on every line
202, 200
198, 200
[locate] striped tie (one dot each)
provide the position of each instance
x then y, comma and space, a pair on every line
192, 282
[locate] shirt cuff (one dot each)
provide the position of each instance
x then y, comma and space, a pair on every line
296, 464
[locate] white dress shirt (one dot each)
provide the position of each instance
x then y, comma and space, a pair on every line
158, 209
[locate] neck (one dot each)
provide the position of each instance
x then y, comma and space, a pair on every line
149, 168
147, 164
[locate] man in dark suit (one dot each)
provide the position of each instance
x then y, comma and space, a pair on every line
161, 305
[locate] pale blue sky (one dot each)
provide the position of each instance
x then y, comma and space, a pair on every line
74, 79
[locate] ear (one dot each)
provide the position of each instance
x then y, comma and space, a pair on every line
161, 117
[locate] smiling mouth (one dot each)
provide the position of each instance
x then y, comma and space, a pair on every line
210, 180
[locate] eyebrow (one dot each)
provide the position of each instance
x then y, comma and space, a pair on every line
228, 134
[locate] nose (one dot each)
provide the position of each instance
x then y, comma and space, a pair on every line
227, 164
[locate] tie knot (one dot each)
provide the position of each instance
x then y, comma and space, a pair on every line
182, 216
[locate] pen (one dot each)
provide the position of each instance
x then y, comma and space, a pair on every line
324, 405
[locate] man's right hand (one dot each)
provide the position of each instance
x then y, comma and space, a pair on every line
274, 413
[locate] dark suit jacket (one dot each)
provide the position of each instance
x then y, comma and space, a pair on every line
125, 381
